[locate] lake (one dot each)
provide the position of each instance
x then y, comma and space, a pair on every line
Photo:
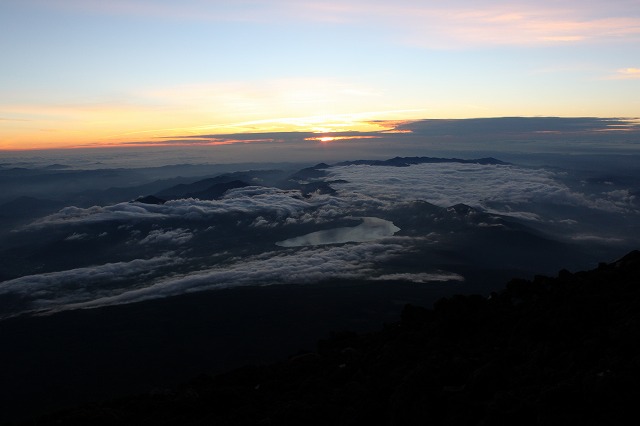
371, 228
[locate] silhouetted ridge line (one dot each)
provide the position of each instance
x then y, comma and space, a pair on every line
217, 190
149, 199
313, 172
408, 161
212, 188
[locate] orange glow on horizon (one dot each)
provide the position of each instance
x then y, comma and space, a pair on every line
327, 139
126, 128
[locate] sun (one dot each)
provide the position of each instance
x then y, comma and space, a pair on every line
326, 139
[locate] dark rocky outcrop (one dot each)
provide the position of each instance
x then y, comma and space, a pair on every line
149, 199
550, 351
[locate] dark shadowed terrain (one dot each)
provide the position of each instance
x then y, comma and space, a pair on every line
550, 351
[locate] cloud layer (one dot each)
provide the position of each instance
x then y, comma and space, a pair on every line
48, 290
167, 236
481, 186
99, 285
231, 242
250, 200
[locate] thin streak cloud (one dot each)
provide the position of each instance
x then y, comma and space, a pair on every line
627, 74
427, 23
460, 24
311, 265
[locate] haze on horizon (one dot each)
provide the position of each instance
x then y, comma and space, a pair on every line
90, 74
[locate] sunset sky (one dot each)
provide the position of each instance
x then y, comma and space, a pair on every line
94, 72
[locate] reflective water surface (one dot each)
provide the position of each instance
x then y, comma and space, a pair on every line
371, 228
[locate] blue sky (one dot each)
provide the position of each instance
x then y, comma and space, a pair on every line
91, 73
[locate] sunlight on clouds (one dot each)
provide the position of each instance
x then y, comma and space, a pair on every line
327, 139
362, 122
563, 38
298, 104
628, 73
428, 23
247, 98
175, 69
452, 29
466, 24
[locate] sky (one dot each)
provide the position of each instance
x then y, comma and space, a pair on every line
92, 73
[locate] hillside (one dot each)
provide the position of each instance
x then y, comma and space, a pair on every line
561, 350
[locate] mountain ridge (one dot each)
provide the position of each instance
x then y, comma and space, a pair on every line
408, 161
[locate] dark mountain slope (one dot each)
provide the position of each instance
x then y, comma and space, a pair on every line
550, 351
217, 190
251, 177
27, 208
469, 236
310, 173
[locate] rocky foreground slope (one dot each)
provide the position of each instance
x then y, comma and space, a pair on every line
562, 350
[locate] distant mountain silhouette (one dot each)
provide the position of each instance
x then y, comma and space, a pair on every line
207, 187
551, 351
56, 167
408, 161
307, 180
314, 172
149, 199
217, 190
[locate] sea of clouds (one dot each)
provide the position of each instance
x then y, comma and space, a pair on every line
501, 189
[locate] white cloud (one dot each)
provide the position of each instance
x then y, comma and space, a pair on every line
447, 184
252, 200
261, 222
596, 238
301, 266
622, 198
627, 74
456, 24
168, 236
570, 222
430, 23
76, 236
52, 289
423, 277
121, 211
